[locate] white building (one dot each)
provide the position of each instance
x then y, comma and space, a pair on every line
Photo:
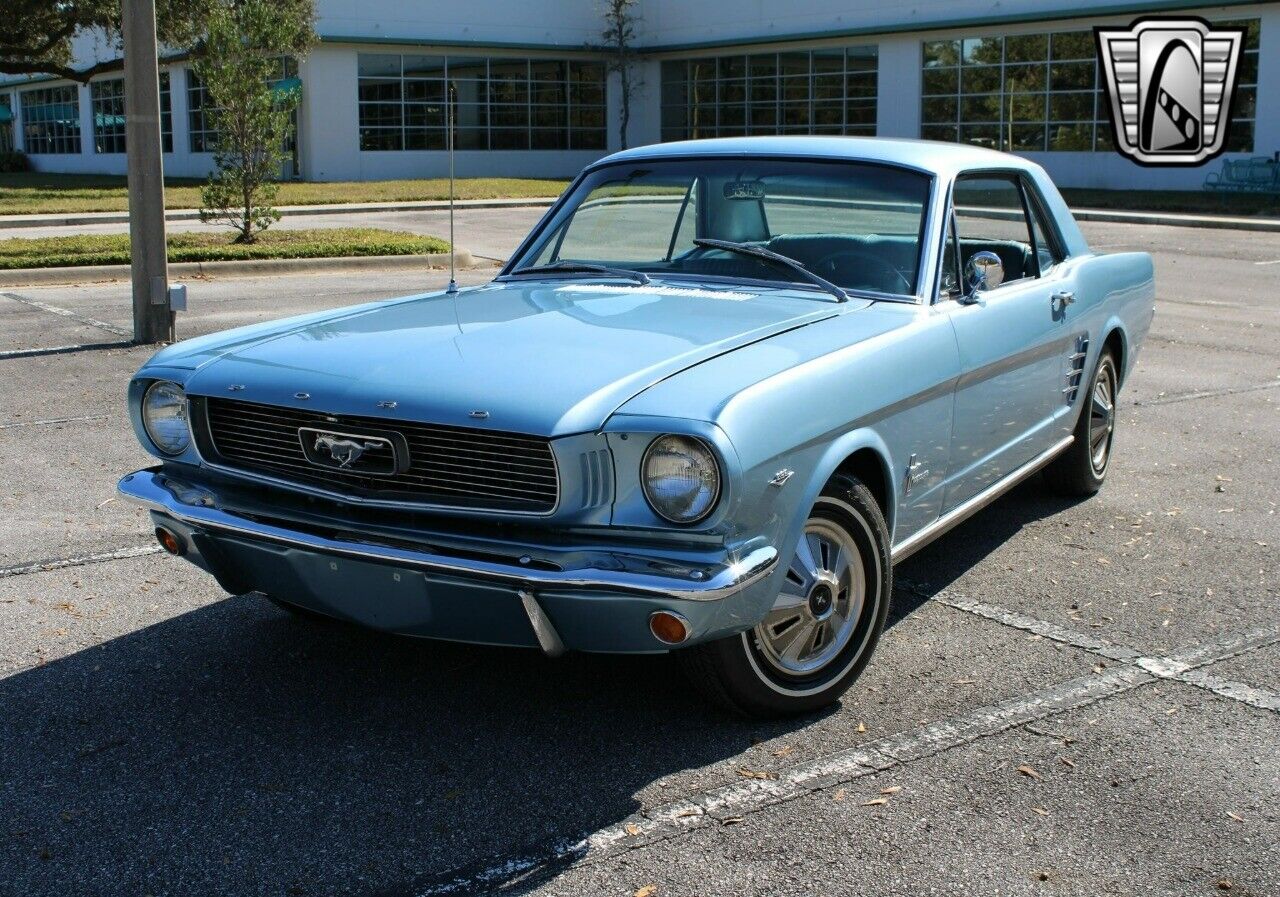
533, 100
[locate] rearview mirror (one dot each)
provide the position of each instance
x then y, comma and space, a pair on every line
983, 271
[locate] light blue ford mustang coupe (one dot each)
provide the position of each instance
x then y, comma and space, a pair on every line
712, 399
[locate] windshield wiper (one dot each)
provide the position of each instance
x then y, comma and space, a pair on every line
567, 267
761, 253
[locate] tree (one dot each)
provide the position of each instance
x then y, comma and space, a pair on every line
621, 18
38, 34
251, 113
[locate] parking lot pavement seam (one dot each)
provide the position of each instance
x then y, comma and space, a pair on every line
1204, 394
1042, 628
1181, 667
65, 350
49, 421
67, 313
118, 554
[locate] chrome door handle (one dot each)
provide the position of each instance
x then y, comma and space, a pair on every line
1061, 300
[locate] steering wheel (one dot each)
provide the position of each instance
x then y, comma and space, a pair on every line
874, 262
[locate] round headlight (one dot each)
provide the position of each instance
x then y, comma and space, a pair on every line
164, 415
681, 478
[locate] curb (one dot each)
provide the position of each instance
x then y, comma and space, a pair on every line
81, 218
27, 277
1172, 219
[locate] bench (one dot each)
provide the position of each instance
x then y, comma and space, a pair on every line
1257, 175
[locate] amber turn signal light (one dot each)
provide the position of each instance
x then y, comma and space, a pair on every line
170, 542
668, 627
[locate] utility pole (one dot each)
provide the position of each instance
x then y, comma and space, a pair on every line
152, 317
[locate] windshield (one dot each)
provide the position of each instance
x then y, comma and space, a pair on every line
857, 225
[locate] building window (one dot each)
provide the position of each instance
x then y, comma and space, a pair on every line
829, 91
51, 120
1244, 110
1040, 92
498, 103
203, 136
6, 123
109, 115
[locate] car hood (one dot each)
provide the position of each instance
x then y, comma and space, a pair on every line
538, 357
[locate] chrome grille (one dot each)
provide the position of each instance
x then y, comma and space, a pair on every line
447, 466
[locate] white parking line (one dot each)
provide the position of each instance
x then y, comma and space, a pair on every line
1271, 262
1179, 667
67, 313
62, 563
736, 800
47, 421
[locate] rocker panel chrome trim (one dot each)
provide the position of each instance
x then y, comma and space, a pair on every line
964, 511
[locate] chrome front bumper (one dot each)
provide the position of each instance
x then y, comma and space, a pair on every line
609, 574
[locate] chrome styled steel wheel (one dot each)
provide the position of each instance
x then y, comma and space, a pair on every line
820, 602
823, 625
1102, 417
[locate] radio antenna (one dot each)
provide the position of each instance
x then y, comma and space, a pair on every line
448, 120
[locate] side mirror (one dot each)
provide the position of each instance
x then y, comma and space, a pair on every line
983, 271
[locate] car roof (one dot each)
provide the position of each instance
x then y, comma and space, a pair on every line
928, 155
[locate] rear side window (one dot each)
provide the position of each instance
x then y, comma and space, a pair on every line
990, 217
1047, 254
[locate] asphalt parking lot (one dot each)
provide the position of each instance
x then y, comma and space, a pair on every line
1071, 699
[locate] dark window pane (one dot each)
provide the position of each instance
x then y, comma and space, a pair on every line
981, 51
1024, 107
980, 79
1027, 137
424, 67
1073, 45
1071, 106
1025, 78
1071, 76
1026, 48
939, 109
1071, 137
980, 108
378, 65
941, 81
947, 133
941, 53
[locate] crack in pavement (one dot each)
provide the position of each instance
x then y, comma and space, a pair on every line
1205, 394
47, 421
118, 554
66, 350
67, 313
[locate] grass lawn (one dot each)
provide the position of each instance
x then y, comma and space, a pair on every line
35, 193
113, 249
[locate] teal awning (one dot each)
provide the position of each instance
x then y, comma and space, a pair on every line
286, 85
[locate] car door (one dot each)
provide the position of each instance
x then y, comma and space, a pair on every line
1010, 338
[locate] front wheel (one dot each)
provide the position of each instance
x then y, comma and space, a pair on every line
824, 624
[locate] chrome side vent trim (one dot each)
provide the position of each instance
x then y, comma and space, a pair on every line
597, 479
1075, 368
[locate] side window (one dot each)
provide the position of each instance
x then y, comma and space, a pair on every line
949, 278
990, 217
1046, 255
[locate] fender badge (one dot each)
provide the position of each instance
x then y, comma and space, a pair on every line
387, 403
479, 415
302, 395
780, 478
235, 387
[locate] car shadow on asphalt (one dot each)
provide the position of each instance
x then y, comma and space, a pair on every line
234, 749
